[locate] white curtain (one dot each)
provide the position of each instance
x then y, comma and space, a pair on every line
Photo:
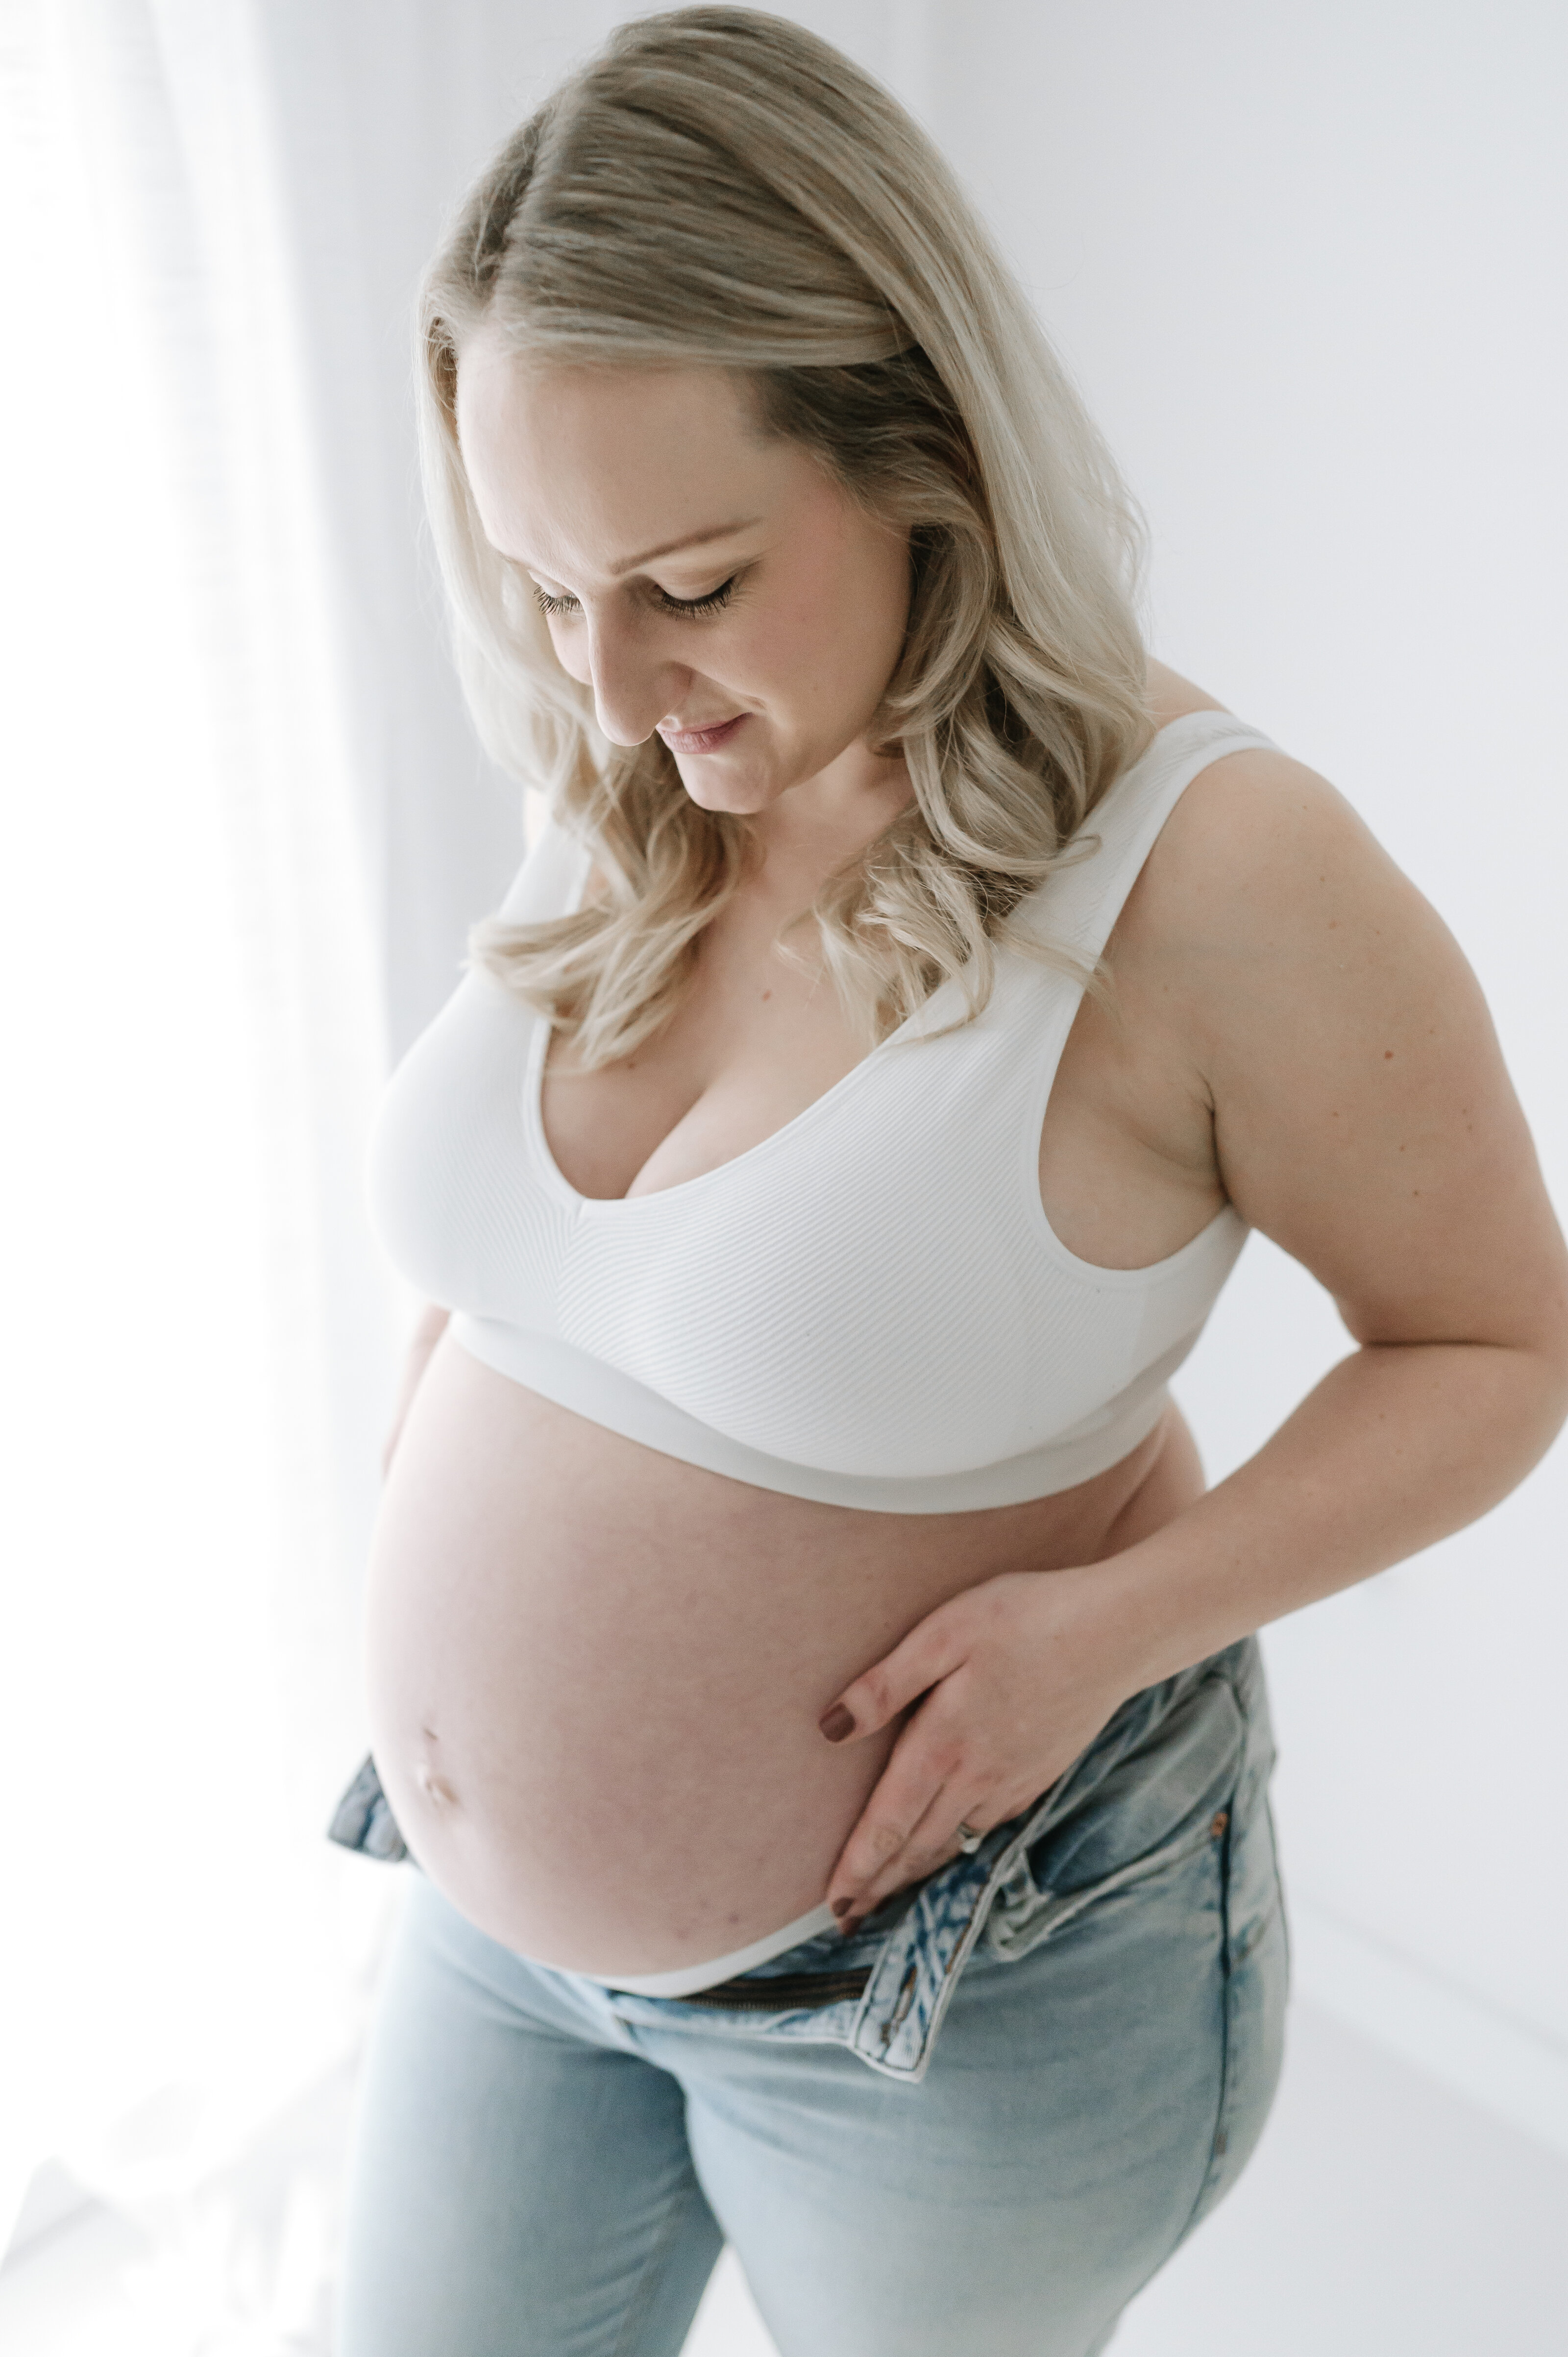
200, 1339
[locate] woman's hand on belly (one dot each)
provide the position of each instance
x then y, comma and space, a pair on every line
1012, 1681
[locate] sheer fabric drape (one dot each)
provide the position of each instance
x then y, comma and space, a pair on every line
200, 1339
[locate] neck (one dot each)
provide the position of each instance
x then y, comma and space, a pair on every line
826, 820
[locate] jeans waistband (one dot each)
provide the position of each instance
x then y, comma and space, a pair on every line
889, 2010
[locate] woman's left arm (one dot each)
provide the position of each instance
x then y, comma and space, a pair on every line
1363, 1119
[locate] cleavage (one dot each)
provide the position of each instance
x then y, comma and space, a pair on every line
750, 1047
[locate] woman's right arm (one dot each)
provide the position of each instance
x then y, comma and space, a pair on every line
427, 1334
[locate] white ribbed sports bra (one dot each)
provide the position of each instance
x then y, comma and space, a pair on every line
868, 1307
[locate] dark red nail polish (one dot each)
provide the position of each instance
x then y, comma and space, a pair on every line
837, 1723
842, 1906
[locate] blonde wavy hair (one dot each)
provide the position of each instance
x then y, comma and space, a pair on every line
717, 187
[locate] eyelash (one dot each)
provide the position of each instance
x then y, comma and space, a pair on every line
712, 604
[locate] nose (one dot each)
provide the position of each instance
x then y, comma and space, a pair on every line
634, 684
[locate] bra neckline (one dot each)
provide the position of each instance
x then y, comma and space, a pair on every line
1098, 1274
585, 1205
533, 1109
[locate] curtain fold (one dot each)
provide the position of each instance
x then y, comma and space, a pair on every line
201, 1341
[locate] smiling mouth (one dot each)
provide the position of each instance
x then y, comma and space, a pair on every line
701, 740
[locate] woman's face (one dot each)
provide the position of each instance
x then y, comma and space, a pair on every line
706, 581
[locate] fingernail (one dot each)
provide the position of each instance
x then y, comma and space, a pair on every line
842, 1906
837, 1723
850, 1923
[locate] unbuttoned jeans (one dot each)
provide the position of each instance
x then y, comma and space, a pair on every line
974, 2129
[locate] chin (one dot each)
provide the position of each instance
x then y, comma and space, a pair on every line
741, 796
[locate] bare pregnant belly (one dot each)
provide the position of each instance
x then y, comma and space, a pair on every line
595, 1672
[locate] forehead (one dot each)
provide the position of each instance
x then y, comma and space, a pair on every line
575, 468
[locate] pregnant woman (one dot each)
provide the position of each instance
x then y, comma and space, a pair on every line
804, 1661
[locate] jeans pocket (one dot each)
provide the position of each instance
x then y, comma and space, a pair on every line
1023, 1914
1156, 1806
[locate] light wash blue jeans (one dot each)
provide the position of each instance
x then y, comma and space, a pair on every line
975, 2129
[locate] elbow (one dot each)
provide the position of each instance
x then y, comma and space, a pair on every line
1546, 1358
1556, 1394
1543, 1343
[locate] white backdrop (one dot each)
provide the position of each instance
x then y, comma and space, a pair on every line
1307, 262
1304, 261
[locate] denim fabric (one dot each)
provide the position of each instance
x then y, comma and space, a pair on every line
363, 1818
1059, 2058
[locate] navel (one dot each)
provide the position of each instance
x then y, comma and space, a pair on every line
435, 1787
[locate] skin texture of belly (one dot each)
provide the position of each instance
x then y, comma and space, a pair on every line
595, 1672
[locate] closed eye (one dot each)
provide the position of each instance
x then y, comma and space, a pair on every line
712, 604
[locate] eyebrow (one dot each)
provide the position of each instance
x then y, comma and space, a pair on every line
691, 540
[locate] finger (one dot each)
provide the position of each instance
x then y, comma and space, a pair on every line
933, 1648
872, 1858
920, 1764
934, 1842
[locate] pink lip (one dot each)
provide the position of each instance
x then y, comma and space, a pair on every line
701, 740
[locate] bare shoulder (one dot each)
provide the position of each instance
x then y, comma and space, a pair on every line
1247, 805
1362, 1114
1258, 840
1282, 940
1258, 847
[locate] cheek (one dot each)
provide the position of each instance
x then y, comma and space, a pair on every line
833, 642
571, 652
767, 652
